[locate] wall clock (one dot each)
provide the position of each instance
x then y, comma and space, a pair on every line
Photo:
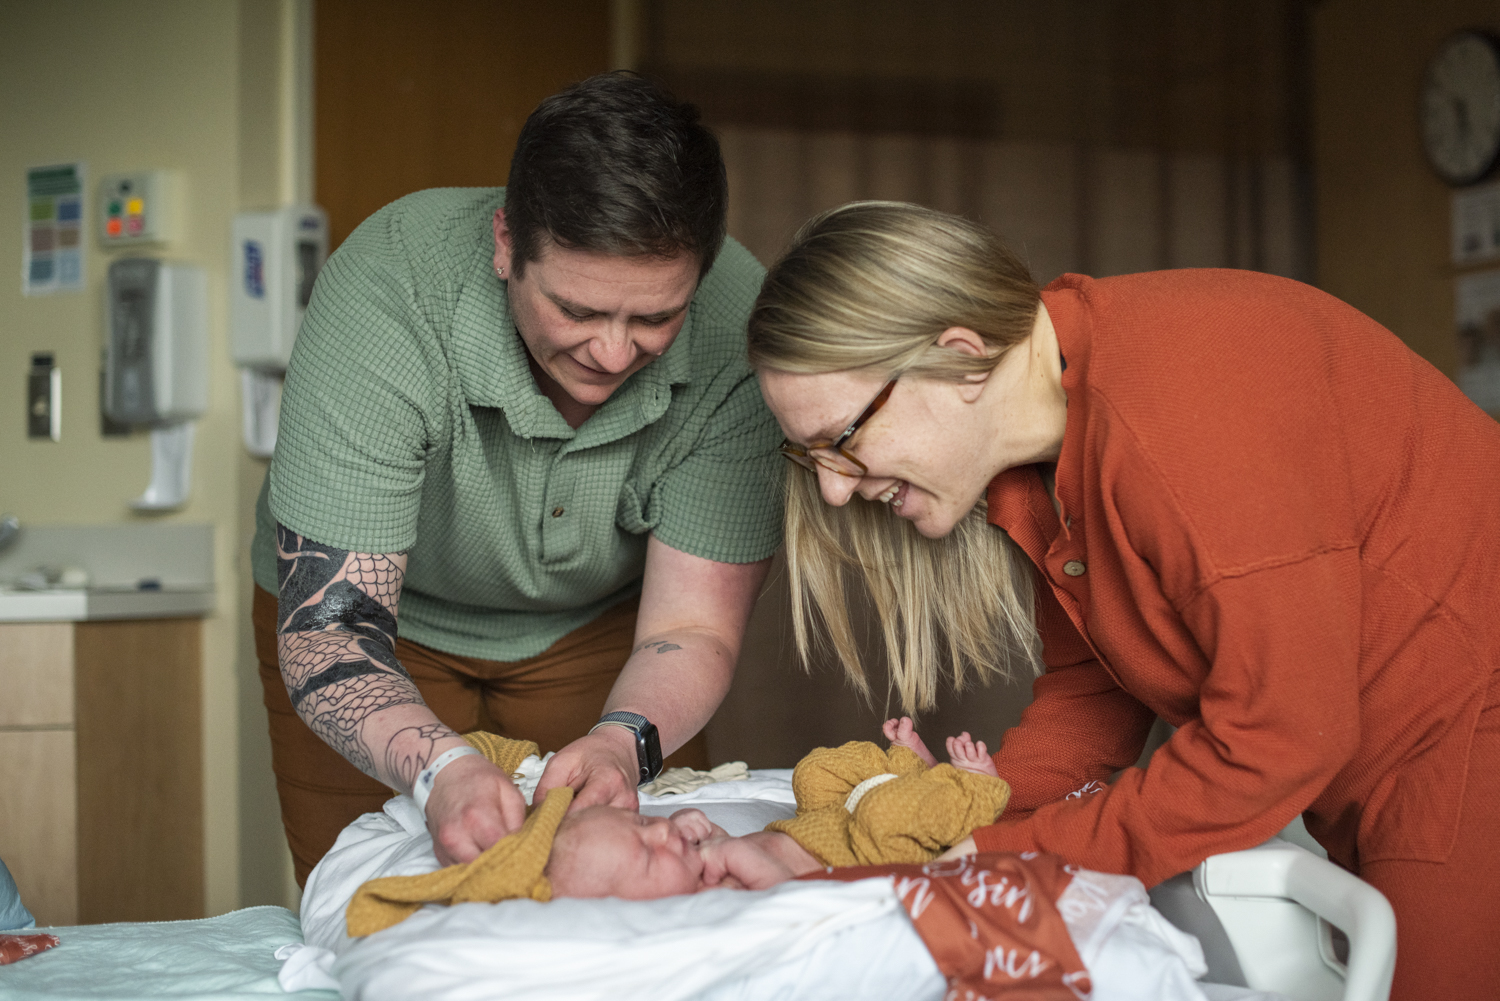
1461, 108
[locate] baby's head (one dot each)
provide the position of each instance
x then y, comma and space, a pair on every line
605, 851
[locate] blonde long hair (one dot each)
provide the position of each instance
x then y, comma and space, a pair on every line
870, 286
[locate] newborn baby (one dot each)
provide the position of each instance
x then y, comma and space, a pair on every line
605, 851
857, 805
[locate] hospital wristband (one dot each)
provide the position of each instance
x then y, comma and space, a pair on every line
422, 788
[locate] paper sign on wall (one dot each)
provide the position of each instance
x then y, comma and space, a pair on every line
1477, 315
52, 233
1476, 224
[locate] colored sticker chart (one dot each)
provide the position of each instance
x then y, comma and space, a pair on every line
52, 237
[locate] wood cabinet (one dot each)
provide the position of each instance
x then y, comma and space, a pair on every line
101, 771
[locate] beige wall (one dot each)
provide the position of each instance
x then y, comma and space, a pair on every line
1382, 214
125, 86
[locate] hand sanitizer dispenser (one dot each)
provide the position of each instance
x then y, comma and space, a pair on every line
156, 365
277, 256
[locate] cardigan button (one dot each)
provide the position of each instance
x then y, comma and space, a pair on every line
557, 512
1073, 568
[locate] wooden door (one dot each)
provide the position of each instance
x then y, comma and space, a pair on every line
138, 706
411, 95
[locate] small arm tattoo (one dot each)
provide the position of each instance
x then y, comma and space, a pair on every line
661, 646
410, 750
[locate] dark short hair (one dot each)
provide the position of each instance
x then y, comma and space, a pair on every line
617, 165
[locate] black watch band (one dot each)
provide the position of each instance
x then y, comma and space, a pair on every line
647, 742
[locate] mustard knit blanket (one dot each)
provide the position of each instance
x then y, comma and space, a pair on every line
860, 805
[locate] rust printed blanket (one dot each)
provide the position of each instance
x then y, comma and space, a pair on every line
991, 923
17, 947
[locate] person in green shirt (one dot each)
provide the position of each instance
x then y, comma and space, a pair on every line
512, 414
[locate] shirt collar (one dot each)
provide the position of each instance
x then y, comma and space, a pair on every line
644, 397
1017, 495
1067, 303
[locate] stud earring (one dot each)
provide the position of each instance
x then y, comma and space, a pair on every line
499, 272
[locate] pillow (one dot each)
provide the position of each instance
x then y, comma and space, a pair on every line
12, 914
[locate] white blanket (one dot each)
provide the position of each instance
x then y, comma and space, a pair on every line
797, 940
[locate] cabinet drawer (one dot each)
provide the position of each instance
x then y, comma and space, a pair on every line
39, 810
36, 674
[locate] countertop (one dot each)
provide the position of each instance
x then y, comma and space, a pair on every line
177, 558
60, 605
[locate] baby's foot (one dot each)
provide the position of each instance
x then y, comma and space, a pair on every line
901, 733
969, 755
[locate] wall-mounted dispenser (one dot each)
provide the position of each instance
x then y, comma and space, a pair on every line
156, 366
277, 256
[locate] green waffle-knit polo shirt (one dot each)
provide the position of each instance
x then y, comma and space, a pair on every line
410, 421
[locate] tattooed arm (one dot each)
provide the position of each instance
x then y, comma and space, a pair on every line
336, 637
687, 641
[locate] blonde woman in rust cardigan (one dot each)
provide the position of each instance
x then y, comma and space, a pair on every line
1218, 497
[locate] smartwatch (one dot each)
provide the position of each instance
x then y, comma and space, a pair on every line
647, 743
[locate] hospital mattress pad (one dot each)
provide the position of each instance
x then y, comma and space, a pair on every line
231, 957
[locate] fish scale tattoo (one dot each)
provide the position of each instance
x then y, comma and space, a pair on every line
337, 644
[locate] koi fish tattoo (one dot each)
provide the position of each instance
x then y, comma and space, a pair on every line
337, 641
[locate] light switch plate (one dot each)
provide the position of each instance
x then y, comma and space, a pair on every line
44, 398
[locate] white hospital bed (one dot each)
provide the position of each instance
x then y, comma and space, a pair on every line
1266, 919
1263, 916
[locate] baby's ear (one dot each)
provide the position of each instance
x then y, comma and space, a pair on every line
557, 856
559, 875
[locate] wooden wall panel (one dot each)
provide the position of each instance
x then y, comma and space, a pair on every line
36, 786
1383, 215
36, 674
140, 770
419, 95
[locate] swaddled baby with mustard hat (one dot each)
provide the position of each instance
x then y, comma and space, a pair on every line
856, 805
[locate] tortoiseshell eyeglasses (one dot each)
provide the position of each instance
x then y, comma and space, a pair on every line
831, 455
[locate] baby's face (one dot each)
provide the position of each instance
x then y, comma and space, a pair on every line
604, 851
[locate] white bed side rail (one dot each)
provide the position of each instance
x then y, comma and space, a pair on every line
1281, 870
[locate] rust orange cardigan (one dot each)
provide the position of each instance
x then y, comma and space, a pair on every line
1281, 533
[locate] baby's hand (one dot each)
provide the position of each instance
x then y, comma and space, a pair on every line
970, 755
901, 733
715, 853
743, 863
696, 825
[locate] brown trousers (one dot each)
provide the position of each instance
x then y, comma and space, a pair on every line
552, 698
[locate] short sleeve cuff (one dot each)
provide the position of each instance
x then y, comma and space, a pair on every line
728, 512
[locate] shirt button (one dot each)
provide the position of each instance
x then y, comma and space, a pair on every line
1073, 568
557, 512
